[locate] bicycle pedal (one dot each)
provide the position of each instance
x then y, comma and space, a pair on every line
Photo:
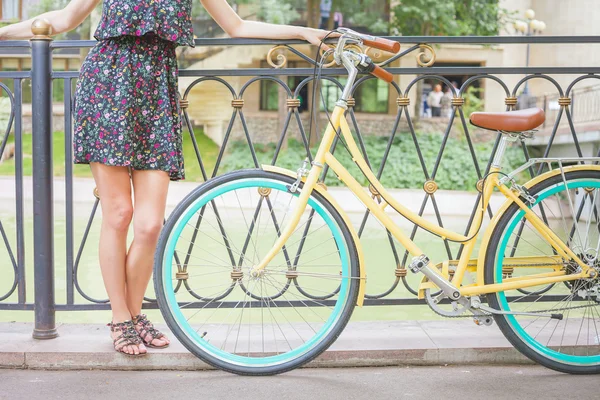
483, 320
418, 263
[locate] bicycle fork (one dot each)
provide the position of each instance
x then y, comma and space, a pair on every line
312, 177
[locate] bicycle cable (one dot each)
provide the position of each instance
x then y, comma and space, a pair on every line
317, 74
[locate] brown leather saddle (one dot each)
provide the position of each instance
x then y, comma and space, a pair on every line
509, 121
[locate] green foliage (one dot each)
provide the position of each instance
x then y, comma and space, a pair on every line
273, 11
473, 100
449, 17
479, 17
403, 168
366, 13
6, 23
277, 12
424, 17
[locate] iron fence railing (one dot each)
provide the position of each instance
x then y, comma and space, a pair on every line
585, 103
41, 74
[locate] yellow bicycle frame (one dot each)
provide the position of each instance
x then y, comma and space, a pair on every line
325, 157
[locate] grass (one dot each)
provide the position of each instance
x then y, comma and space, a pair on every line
208, 151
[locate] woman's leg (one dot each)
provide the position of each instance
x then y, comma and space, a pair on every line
150, 196
114, 188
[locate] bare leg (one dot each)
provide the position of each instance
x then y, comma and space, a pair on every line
114, 188
150, 197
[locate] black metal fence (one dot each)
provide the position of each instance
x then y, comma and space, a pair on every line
41, 76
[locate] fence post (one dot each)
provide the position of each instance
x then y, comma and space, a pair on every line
43, 200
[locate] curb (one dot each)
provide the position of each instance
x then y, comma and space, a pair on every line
363, 344
329, 359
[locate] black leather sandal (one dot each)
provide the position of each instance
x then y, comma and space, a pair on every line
128, 337
148, 330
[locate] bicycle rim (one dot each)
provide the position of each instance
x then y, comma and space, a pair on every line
570, 207
279, 320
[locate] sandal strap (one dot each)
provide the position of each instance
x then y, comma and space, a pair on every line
128, 335
147, 328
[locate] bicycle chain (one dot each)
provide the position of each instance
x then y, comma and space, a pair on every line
484, 314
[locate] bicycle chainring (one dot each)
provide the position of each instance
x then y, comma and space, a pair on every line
452, 310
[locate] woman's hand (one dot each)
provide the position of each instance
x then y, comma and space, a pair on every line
316, 36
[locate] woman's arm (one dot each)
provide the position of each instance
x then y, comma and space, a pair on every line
60, 21
236, 27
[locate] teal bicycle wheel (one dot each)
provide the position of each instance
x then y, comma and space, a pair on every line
569, 206
255, 325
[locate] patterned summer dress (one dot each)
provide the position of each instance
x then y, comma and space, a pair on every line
126, 101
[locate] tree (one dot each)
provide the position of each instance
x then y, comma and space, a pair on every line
273, 11
373, 14
449, 17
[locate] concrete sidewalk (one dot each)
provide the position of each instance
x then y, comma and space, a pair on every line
380, 343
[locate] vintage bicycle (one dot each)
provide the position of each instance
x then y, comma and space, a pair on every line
258, 271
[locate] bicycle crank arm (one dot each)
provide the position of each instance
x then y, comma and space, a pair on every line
476, 304
421, 264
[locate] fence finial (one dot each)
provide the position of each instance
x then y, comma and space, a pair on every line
41, 29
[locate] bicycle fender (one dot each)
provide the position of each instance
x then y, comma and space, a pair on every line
488, 232
323, 192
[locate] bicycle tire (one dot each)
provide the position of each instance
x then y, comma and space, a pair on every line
550, 356
165, 301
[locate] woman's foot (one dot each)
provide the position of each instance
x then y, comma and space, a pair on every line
151, 336
126, 339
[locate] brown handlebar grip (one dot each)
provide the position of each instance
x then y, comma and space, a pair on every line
382, 74
383, 44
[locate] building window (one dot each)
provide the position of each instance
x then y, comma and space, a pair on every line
269, 91
10, 10
371, 96
269, 95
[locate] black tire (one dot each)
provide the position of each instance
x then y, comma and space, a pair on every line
348, 307
490, 273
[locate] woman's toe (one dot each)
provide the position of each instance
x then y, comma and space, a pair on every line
142, 348
136, 350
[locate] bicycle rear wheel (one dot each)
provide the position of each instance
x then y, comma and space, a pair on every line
570, 208
261, 325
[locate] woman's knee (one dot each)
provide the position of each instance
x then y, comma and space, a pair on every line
119, 215
147, 230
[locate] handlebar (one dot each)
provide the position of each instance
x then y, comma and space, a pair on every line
383, 44
382, 74
368, 65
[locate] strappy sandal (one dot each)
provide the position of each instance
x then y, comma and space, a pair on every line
128, 337
147, 329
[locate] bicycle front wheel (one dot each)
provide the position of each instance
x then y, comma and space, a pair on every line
569, 206
255, 325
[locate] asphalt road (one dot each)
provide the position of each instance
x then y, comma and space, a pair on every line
476, 382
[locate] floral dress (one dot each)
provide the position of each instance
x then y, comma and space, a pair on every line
126, 101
